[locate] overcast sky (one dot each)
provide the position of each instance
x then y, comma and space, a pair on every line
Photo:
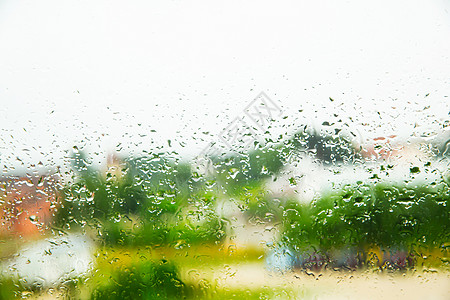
112, 75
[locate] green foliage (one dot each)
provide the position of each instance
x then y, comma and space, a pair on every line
143, 280
239, 170
10, 289
371, 215
152, 201
327, 148
256, 202
188, 228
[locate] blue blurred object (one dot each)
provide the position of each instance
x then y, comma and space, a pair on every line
280, 259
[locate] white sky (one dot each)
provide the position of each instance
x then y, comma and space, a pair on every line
89, 72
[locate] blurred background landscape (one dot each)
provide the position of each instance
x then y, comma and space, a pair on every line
158, 226
206, 150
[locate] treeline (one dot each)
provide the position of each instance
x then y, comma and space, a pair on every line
158, 200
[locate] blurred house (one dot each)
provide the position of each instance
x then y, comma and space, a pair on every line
382, 148
115, 164
27, 203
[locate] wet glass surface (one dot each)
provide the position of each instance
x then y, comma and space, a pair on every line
190, 150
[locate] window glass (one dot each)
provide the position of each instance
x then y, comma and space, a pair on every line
209, 150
